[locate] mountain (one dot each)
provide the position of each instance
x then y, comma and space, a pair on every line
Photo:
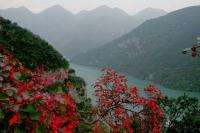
54, 23
21, 15
150, 12
73, 34
29, 48
105, 11
152, 51
97, 27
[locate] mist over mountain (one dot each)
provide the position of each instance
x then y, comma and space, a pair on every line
73, 34
20, 15
152, 51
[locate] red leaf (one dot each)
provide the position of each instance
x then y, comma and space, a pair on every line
14, 119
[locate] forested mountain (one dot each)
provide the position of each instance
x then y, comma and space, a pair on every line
73, 34
20, 43
153, 51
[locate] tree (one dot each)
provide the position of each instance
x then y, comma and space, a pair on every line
182, 114
123, 109
28, 105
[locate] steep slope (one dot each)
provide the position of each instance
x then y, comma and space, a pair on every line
73, 34
153, 51
30, 49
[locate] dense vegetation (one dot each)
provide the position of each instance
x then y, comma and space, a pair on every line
153, 51
43, 101
182, 114
20, 43
40, 101
35, 101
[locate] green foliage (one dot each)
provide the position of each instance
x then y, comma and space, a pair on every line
71, 71
183, 114
84, 127
30, 49
58, 87
77, 82
1, 114
136, 126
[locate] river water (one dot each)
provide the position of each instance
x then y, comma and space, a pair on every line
91, 74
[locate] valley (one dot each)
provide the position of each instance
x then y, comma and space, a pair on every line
91, 74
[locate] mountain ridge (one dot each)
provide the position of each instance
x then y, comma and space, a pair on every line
55, 9
73, 34
152, 51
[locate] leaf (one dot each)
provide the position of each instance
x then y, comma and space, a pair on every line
35, 115
6, 75
1, 57
9, 92
1, 79
62, 108
1, 114
3, 96
18, 130
31, 108
8, 68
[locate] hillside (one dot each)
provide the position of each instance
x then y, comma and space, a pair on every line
73, 34
20, 43
153, 51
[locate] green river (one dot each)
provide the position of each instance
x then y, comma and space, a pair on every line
91, 74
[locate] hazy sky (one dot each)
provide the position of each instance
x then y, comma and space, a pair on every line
130, 6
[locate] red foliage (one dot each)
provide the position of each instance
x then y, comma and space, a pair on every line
26, 96
119, 105
14, 119
28, 103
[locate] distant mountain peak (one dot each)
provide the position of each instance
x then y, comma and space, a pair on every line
151, 10
119, 10
21, 8
154, 9
105, 10
103, 7
56, 9
82, 13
